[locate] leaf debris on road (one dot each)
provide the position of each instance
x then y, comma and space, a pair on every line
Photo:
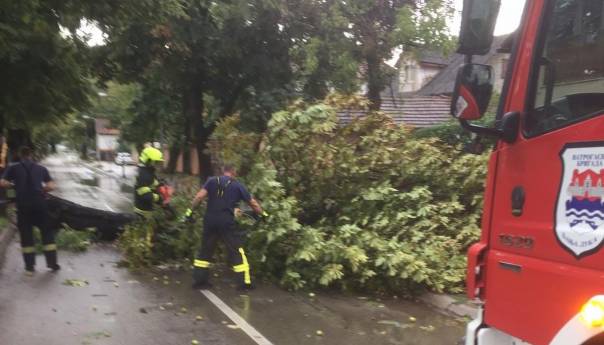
76, 282
428, 328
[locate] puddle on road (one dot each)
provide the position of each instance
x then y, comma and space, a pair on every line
283, 317
100, 312
317, 318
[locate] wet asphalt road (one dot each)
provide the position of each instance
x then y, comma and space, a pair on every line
117, 306
87, 187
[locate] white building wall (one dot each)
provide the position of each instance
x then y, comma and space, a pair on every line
413, 76
106, 142
408, 76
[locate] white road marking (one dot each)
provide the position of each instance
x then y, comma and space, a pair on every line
238, 320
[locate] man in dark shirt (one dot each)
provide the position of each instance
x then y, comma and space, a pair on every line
224, 194
31, 181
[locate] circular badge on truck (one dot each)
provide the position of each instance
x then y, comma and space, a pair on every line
579, 214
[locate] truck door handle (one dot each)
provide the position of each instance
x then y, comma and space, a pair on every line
510, 266
518, 196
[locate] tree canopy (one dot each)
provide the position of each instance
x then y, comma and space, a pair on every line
196, 61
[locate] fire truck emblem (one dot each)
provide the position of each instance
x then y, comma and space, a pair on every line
579, 223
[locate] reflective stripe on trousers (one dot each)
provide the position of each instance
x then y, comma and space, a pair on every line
201, 263
148, 222
28, 250
244, 268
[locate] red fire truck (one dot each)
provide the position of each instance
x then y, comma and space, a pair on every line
538, 269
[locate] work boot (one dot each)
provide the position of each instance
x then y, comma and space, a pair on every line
201, 275
30, 261
51, 260
246, 287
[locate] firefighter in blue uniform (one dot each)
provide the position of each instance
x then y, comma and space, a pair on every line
31, 182
224, 194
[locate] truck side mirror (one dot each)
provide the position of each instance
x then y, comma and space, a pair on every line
472, 93
477, 26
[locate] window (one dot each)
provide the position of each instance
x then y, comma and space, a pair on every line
568, 81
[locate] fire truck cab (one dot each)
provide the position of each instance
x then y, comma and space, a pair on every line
538, 269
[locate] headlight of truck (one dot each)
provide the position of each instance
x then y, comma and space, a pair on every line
592, 312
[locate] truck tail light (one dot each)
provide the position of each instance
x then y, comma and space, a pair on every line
592, 312
476, 270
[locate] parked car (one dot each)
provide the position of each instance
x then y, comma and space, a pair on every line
124, 158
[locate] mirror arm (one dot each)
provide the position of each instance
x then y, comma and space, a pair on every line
481, 130
507, 131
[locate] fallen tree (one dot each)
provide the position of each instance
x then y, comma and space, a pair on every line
107, 224
361, 206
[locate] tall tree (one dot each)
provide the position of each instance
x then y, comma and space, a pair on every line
45, 62
324, 59
233, 52
41, 70
377, 27
252, 56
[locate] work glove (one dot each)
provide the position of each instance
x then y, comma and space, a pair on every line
157, 198
261, 216
189, 216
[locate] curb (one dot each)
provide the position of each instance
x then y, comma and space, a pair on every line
450, 305
5, 238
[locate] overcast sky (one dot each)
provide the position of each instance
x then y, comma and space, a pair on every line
509, 18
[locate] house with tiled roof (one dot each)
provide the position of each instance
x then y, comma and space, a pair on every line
498, 57
416, 111
419, 93
417, 68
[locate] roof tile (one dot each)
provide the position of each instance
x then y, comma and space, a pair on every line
421, 111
